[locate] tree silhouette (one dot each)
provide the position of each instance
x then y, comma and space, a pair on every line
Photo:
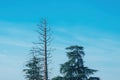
74, 68
34, 68
42, 46
42, 51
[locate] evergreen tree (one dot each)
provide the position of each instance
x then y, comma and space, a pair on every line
74, 68
34, 70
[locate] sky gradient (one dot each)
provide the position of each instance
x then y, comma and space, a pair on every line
93, 24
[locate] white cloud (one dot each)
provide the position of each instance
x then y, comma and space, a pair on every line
13, 42
11, 67
102, 52
16, 34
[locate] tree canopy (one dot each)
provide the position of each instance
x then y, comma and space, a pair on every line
74, 68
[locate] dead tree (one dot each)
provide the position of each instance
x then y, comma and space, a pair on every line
43, 43
37, 67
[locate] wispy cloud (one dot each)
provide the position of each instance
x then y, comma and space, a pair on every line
16, 34
102, 51
10, 65
13, 42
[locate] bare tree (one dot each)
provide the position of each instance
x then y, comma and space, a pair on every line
38, 65
43, 45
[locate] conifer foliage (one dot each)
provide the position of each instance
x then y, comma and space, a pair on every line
74, 68
34, 68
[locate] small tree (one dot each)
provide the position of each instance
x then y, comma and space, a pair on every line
33, 71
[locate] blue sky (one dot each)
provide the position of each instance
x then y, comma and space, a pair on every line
91, 23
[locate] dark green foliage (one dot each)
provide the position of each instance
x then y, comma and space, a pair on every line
94, 78
58, 78
74, 68
33, 71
